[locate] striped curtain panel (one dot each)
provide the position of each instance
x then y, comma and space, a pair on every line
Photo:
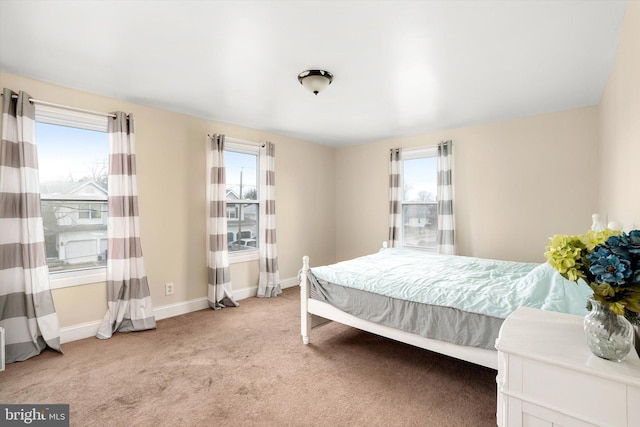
219, 275
27, 312
128, 297
446, 242
395, 197
269, 284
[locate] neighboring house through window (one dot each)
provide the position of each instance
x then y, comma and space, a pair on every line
419, 204
73, 155
242, 165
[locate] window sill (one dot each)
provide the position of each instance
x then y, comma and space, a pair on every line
421, 248
244, 256
77, 278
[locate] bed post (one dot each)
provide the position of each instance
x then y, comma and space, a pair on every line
305, 317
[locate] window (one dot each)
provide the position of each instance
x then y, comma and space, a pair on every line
242, 164
73, 153
90, 211
232, 212
419, 191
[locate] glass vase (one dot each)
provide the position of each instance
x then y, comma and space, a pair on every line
609, 335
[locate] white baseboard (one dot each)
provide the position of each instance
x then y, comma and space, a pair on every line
171, 310
290, 282
79, 332
90, 329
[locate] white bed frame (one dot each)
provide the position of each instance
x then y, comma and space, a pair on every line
314, 313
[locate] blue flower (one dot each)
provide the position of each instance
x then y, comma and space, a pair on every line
632, 240
618, 245
610, 269
600, 251
627, 246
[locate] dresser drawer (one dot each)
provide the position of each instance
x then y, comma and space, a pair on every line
599, 400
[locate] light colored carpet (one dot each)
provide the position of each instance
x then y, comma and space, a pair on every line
247, 366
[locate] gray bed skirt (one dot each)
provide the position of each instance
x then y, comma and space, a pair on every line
430, 321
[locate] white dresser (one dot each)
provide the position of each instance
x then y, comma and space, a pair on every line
547, 376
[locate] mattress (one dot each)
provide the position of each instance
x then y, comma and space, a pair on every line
461, 300
430, 321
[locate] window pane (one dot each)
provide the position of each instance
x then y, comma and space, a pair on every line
242, 226
420, 225
241, 169
420, 179
419, 209
72, 155
73, 185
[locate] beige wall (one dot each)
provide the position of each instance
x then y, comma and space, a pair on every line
171, 185
517, 183
620, 128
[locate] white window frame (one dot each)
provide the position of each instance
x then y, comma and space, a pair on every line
412, 154
90, 212
232, 213
96, 122
246, 147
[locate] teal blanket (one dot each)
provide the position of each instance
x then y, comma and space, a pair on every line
475, 285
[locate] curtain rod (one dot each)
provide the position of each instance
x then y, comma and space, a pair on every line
66, 107
240, 141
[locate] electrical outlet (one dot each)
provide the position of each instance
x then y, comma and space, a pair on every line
168, 289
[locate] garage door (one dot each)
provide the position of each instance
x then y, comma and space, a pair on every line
80, 251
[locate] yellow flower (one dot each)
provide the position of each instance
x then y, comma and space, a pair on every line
564, 255
591, 239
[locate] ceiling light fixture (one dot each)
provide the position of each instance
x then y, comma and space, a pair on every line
315, 80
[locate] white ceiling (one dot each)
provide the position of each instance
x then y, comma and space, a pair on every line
400, 67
